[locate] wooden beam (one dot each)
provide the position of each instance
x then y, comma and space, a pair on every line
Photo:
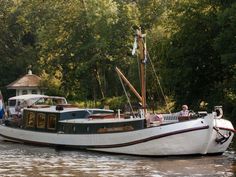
129, 84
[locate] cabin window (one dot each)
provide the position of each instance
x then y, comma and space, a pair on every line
24, 92
34, 91
30, 119
52, 122
12, 103
41, 120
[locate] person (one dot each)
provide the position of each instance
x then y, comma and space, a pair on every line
154, 119
1, 109
18, 109
184, 112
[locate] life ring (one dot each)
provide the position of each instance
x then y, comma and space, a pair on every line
219, 112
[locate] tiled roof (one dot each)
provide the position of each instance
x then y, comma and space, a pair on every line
28, 80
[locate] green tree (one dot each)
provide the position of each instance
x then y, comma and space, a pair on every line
225, 44
16, 43
192, 64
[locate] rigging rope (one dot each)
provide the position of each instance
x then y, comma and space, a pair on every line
126, 95
159, 83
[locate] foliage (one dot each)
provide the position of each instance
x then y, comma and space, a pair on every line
191, 59
225, 44
18, 50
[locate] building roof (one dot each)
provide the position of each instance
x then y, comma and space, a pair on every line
28, 80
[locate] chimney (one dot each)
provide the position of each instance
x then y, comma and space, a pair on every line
30, 72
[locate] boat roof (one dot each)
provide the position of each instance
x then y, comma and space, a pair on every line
92, 121
32, 96
52, 109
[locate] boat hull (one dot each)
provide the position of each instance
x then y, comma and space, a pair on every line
196, 136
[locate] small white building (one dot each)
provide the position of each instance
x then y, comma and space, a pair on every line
28, 84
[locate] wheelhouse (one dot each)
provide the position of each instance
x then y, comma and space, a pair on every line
29, 100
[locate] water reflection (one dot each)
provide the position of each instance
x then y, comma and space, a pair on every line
23, 160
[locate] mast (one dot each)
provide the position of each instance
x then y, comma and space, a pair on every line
139, 38
142, 56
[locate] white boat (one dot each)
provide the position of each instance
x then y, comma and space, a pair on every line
136, 134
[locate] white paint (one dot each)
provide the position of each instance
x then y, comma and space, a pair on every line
192, 142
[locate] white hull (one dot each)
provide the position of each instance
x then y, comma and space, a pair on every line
183, 138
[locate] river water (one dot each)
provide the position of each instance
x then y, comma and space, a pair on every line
24, 160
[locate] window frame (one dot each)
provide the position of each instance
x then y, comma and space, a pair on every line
49, 117
41, 116
30, 117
